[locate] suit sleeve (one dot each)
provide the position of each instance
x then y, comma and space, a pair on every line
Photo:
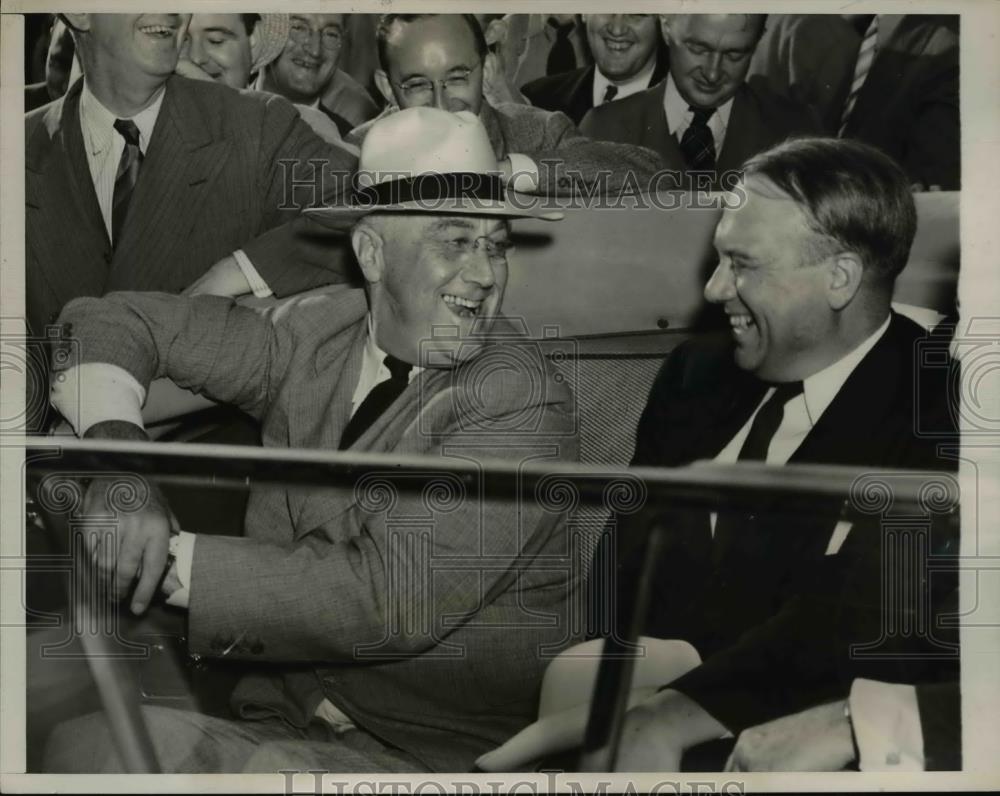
940, 706
206, 344
394, 573
298, 169
569, 162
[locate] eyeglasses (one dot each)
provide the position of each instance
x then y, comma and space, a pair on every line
463, 247
330, 38
419, 89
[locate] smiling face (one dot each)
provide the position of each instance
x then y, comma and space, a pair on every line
219, 44
428, 273
710, 54
622, 44
306, 65
129, 46
436, 53
773, 285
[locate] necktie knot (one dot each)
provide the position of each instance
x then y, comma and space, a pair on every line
128, 130
398, 370
701, 115
785, 391
610, 92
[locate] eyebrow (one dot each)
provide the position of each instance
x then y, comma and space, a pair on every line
708, 46
219, 29
451, 223
422, 76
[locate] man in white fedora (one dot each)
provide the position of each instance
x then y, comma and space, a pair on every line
405, 636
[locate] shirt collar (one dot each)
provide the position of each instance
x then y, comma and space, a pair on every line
373, 360
678, 114
821, 388
631, 86
98, 122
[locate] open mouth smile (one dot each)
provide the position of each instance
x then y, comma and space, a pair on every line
463, 307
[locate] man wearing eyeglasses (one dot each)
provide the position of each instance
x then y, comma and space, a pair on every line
704, 119
307, 68
438, 59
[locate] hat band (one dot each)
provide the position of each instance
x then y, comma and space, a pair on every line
432, 188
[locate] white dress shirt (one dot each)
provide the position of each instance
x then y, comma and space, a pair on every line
104, 147
679, 115
802, 413
631, 86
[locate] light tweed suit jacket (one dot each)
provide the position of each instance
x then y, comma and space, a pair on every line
427, 620
212, 181
569, 163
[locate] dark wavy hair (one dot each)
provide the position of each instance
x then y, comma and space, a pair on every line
852, 194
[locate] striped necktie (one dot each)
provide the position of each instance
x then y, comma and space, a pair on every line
866, 55
126, 176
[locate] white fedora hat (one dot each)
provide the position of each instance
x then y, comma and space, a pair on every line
426, 160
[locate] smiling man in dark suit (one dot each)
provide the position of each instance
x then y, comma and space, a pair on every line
339, 677
816, 369
141, 179
704, 117
628, 57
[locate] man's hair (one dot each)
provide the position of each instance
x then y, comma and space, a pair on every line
760, 19
386, 21
851, 193
249, 22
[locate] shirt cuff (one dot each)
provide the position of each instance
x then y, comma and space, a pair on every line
886, 723
524, 174
182, 550
94, 392
257, 284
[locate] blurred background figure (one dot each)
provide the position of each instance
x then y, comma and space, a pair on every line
806, 58
58, 66
306, 72
232, 48
629, 56
704, 118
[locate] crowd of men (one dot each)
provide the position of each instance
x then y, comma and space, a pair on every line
202, 158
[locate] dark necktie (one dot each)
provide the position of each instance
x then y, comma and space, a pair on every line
126, 177
698, 143
766, 422
610, 93
730, 525
562, 56
377, 401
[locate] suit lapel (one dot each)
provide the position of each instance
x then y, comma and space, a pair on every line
62, 213
581, 95
746, 133
184, 157
656, 130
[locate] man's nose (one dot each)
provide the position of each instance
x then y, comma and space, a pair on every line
479, 268
713, 67
440, 98
721, 286
616, 25
312, 44
194, 49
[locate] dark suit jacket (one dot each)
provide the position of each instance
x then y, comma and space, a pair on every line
773, 616
573, 92
36, 95
940, 706
418, 615
210, 183
909, 104
568, 162
759, 120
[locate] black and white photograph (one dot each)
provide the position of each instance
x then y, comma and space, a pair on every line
401, 397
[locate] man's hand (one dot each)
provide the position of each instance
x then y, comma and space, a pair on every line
659, 729
818, 739
138, 542
225, 278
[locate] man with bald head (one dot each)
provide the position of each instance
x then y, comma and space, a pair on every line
438, 60
704, 119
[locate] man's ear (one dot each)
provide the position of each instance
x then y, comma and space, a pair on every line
367, 244
384, 86
666, 25
846, 274
77, 21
